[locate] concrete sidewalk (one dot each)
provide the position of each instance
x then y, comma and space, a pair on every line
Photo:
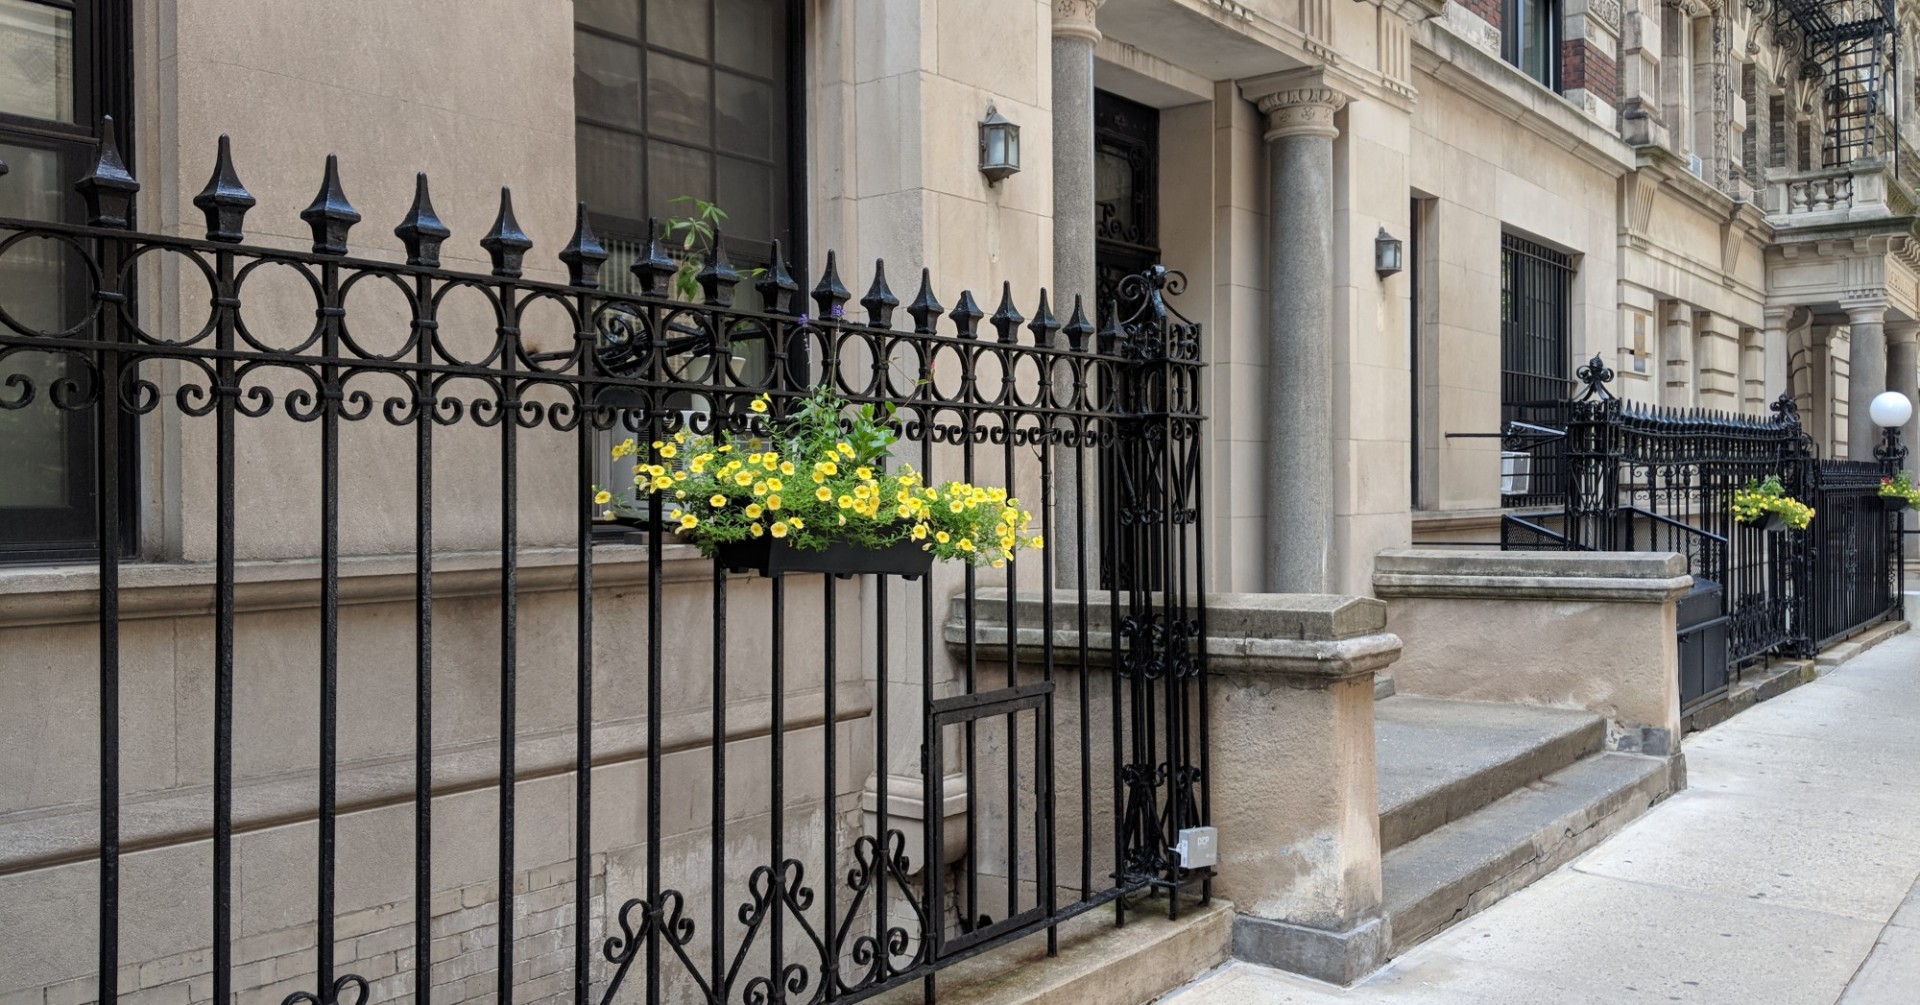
1786, 874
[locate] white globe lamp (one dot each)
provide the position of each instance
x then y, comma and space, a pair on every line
1890, 410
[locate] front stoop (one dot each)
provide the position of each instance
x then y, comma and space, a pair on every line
1468, 865
1098, 964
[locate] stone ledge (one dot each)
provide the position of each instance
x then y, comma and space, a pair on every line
1621, 577
1309, 635
1335, 957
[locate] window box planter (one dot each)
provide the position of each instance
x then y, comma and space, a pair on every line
771, 556
1896, 503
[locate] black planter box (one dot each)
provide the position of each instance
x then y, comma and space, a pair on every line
1895, 504
771, 556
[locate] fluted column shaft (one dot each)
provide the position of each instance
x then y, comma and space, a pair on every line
1074, 36
1866, 376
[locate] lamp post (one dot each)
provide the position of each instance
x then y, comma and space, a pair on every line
1890, 411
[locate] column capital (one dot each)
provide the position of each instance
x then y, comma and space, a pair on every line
1297, 102
1865, 312
1074, 19
1776, 316
1902, 332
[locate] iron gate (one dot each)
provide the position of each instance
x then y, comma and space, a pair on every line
750, 861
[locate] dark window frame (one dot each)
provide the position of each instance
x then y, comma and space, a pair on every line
102, 85
744, 252
1536, 354
1511, 12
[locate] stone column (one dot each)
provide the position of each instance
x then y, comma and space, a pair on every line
1774, 339
1300, 134
1676, 355
1074, 36
1866, 376
1753, 372
1903, 375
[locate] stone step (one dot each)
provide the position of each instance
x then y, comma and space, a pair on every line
1098, 964
1440, 760
1466, 866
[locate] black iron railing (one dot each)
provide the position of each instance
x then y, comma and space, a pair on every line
822, 907
1645, 478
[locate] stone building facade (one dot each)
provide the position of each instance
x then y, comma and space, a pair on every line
1666, 186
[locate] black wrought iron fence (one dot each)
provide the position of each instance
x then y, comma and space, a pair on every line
1046, 776
1644, 478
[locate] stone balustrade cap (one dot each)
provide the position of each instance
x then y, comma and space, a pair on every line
1628, 576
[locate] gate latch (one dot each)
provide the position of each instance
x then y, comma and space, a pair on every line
1199, 848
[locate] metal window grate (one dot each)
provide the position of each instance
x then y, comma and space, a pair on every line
1536, 320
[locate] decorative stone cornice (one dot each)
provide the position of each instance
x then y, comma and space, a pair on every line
1304, 111
1074, 19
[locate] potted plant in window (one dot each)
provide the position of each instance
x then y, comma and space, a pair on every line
1765, 503
1899, 492
814, 492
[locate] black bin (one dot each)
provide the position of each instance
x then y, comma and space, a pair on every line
1703, 642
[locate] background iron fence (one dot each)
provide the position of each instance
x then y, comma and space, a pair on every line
1050, 772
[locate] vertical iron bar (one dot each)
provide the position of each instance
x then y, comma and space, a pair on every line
509, 634
228, 395
882, 774
654, 669
583, 668
330, 402
1050, 892
1010, 424
830, 965
717, 861
107, 503
1082, 589
424, 397
778, 749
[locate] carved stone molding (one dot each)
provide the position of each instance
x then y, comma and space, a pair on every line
1074, 19
1607, 12
1304, 111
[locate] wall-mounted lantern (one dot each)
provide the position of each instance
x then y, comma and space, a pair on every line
999, 146
1387, 254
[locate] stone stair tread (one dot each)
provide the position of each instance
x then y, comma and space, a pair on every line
1467, 865
1438, 760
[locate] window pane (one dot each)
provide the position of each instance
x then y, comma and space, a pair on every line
678, 99
610, 172
36, 61
747, 194
33, 440
680, 25
747, 29
676, 171
746, 115
606, 80
621, 16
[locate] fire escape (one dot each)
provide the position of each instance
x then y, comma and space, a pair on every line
1852, 47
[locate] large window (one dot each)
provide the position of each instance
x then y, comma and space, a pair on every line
1536, 322
1531, 38
694, 98
63, 64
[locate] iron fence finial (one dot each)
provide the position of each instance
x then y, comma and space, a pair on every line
224, 201
330, 214
830, 295
1078, 328
717, 276
1595, 375
966, 316
421, 230
1044, 324
925, 309
506, 243
879, 300
583, 253
109, 187
1110, 333
775, 285
1006, 318
652, 266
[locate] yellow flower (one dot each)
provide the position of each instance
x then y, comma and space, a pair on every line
827, 468
966, 544
919, 531
657, 444
942, 536
845, 449
1036, 542
602, 497
780, 528
861, 492
753, 511
771, 461
743, 478
846, 502
758, 405
775, 485
668, 451
863, 473
688, 521
999, 563
759, 488
823, 493
680, 437
773, 501
786, 468
662, 483
754, 529
680, 493
717, 500
956, 506
625, 448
